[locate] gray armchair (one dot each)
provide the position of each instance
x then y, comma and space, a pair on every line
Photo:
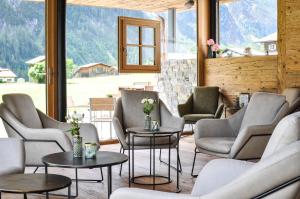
128, 113
204, 103
276, 175
12, 156
293, 98
245, 134
42, 135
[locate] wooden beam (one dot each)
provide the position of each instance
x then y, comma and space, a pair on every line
51, 57
203, 33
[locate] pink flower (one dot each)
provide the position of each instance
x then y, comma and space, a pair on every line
210, 42
215, 48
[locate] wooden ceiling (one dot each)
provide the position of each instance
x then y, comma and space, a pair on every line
143, 5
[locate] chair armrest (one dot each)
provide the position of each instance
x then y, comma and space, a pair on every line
213, 128
135, 193
185, 108
219, 111
87, 131
118, 122
295, 106
168, 120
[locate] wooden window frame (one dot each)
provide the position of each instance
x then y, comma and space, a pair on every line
122, 29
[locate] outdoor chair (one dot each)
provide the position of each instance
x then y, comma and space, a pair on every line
293, 98
204, 103
276, 175
12, 156
245, 134
129, 113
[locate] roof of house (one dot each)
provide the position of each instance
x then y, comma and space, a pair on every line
90, 65
36, 60
4, 72
269, 38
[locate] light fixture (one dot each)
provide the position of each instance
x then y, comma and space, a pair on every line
189, 4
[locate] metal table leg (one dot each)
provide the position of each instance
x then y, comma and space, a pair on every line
153, 162
69, 192
129, 176
109, 181
177, 173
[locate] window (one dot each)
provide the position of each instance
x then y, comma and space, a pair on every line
139, 45
248, 24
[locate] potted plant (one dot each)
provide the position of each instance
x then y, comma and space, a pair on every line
148, 106
213, 47
74, 120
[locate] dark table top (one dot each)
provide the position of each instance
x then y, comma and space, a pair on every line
162, 130
33, 183
66, 160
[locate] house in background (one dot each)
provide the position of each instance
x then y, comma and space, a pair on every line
94, 70
6, 75
35, 60
270, 43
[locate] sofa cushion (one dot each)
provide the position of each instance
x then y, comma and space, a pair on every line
133, 114
205, 100
195, 117
262, 109
21, 105
216, 144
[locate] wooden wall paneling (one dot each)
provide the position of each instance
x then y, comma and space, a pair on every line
203, 33
51, 57
242, 74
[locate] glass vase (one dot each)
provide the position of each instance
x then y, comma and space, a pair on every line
77, 147
147, 125
90, 151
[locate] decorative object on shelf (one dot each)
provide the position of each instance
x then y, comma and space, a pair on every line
213, 48
244, 99
74, 120
154, 125
147, 109
90, 150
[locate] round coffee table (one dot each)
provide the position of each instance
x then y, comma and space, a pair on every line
163, 132
34, 183
103, 159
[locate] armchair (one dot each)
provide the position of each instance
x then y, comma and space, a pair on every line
204, 103
228, 178
293, 98
128, 113
12, 156
245, 134
42, 135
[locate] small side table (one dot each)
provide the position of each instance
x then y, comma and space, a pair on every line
167, 132
231, 110
34, 183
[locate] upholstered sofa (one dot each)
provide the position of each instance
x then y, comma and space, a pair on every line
275, 176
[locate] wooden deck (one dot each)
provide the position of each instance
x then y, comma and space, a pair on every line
99, 190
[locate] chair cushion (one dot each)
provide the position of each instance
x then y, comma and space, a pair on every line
145, 141
205, 100
133, 114
286, 132
195, 117
262, 109
216, 144
21, 105
218, 173
291, 94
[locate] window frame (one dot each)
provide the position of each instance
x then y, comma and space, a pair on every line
122, 30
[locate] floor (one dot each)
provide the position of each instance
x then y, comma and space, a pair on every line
99, 190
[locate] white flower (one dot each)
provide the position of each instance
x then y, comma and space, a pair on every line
151, 101
143, 101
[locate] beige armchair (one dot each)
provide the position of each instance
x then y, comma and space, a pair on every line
42, 135
204, 103
275, 176
245, 134
293, 98
128, 113
12, 156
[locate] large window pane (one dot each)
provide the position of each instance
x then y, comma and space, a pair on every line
148, 55
148, 36
132, 35
132, 55
22, 49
